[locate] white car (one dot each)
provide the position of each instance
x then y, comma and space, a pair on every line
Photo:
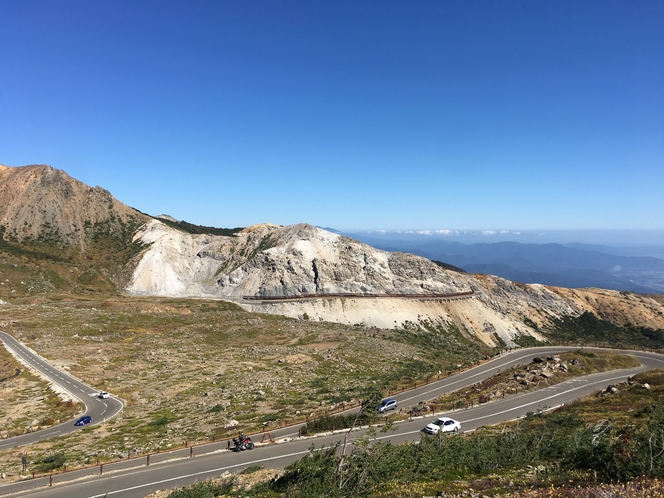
443, 424
103, 395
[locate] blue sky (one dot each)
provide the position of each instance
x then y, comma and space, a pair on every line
353, 115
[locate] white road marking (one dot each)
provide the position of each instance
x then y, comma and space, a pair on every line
199, 473
541, 400
508, 363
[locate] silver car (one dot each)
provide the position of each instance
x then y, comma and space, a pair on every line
387, 404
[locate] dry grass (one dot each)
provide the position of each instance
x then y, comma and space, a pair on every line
520, 379
188, 368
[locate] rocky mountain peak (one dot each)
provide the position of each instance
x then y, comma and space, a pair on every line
39, 203
300, 270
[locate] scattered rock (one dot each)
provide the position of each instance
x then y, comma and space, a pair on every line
578, 362
547, 373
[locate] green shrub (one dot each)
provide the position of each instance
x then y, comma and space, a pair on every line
270, 417
332, 423
590, 329
161, 420
51, 462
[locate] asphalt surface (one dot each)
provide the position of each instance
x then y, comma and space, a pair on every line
99, 409
134, 478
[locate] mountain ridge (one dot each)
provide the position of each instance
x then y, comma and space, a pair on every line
41, 201
144, 256
567, 265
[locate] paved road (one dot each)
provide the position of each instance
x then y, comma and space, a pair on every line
134, 479
99, 409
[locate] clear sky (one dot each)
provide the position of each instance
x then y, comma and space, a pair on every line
354, 115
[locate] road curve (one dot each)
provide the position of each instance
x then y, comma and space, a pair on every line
167, 470
99, 409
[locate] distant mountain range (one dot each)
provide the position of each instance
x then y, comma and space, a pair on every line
574, 265
59, 237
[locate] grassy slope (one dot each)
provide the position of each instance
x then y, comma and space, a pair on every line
188, 367
26, 398
593, 447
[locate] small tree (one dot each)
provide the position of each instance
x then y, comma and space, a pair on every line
370, 399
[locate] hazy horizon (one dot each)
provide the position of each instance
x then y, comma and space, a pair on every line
617, 237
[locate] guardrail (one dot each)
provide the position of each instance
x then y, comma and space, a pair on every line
360, 295
303, 420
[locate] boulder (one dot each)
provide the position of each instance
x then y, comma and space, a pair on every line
578, 362
547, 373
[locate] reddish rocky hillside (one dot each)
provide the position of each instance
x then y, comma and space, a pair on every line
41, 205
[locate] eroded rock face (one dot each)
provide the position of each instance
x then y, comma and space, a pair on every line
271, 261
268, 260
42, 203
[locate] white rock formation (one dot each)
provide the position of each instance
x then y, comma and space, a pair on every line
272, 261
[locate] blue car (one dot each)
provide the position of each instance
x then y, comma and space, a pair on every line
84, 420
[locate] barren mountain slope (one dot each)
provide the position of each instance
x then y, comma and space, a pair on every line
268, 260
42, 204
93, 243
271, 261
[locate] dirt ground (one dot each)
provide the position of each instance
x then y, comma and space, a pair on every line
27, 403
190, 370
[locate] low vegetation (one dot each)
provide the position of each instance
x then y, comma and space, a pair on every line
588, 448
191, 370
589, 329
544, 372
187, 227
27, 404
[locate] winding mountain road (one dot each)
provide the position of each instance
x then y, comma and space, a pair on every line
99, 409
134, 478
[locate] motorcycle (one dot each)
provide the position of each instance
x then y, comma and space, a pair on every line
242, 443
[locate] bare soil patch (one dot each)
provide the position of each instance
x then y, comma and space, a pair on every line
189, 370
